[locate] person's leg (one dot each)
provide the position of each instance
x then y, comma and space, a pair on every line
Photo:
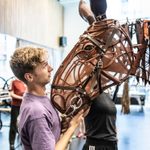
13, 126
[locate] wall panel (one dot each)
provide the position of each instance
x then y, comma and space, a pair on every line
40, 21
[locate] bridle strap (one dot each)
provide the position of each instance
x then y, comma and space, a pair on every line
94, 42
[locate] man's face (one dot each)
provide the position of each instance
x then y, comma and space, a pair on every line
42, 73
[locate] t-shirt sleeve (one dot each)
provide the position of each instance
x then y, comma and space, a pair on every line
40, 133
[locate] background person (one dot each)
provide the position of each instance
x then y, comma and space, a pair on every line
100, 123
17, 89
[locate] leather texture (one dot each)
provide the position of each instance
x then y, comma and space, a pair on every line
103, 57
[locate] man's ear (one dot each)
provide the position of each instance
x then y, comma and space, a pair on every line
28, 77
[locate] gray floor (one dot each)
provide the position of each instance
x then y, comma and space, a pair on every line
4, 132
133, 131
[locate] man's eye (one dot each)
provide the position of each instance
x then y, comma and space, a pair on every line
45, 64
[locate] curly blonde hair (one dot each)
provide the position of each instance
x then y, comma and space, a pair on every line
25, 59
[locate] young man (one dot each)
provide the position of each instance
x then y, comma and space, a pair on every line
39, 124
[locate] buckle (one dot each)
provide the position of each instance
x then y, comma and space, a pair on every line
101, 17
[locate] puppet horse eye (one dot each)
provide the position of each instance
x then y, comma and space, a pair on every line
88, 47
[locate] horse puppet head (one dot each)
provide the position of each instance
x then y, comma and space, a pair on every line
101, 58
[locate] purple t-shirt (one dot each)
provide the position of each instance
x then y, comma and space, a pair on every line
39, 124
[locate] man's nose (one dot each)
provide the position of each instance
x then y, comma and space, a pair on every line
50, 68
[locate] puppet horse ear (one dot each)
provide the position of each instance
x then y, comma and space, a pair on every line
86, 12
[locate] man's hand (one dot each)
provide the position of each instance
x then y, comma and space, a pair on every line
68, 122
